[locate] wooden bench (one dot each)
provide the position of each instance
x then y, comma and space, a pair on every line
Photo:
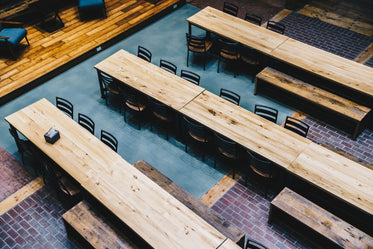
93, 228
208, 214
302, 214
316, 100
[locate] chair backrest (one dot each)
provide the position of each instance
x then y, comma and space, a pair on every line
109, 140
190, 76
104, 79
230, 96
296, 126
260, 165
266, 112
132, 100
65, 106
253, 18
143, 53
226, 146
196, 130
86, 122
276, 26
228, 49
195, 43
168, 66
253, 244
230, 8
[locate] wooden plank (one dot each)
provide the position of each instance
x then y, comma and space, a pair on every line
16, 198
151, 212
149, 79
209, 215
352, 75
365, 55
219, 189
312, 94
337, 175
94, 229
318, 219
237, 29
251, 131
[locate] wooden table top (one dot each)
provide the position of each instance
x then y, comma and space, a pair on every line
237, 29
150, 211
351, 74
149, 79
246, 128
336, 174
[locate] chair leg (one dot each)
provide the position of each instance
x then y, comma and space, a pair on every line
204, 62
188, 58
27, 41
218, 63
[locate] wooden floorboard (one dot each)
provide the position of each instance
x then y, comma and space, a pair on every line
49, 52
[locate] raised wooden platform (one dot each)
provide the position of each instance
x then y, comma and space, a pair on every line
52, 53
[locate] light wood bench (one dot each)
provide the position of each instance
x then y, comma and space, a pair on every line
208, 214
353, 116
93, 228
331, 231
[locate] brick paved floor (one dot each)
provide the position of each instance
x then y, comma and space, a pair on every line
361, 148
35, 223
249, 212
13, 174
325, 36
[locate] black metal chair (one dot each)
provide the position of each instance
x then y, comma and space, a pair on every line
296, 126
28, 149
168, 66
199, 45
86, 122
108, 84
266, 112
145, 54
109, 140
253, 18
252, 58
230, 8
230, 96
197, 133
261, 167
253, 244
190, 76
134, 103
229, 51
162, 113
68, 190
227, 149
276, 26
65, 106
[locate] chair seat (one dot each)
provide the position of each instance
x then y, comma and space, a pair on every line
139, 107
248, 60
208, 45
229, 56
227, 154
161, 117
112, 88
15, 35
91, 3
265, 175
197, 138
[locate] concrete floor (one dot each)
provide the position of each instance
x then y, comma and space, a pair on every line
165, 39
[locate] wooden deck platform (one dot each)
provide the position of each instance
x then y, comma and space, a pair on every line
52, 53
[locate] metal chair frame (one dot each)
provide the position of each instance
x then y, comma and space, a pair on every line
199, 45
86, 122
190, 76
276, 27
230, 96
65, 106
266, 112
168, 66
296, 126
253, 18
144, 53
109, 140
230, 8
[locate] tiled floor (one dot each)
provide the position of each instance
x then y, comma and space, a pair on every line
35, 223
13, 175
325, 36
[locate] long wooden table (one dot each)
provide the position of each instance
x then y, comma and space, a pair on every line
350, 74
145, 207
150, 79
237, 29
246, 128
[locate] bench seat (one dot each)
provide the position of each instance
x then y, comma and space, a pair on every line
332, 231
206, 213
94, 228
316, 98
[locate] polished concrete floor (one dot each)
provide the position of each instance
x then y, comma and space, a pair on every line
165, 39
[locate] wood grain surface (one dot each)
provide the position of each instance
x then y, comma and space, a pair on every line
150, 79
159, 218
